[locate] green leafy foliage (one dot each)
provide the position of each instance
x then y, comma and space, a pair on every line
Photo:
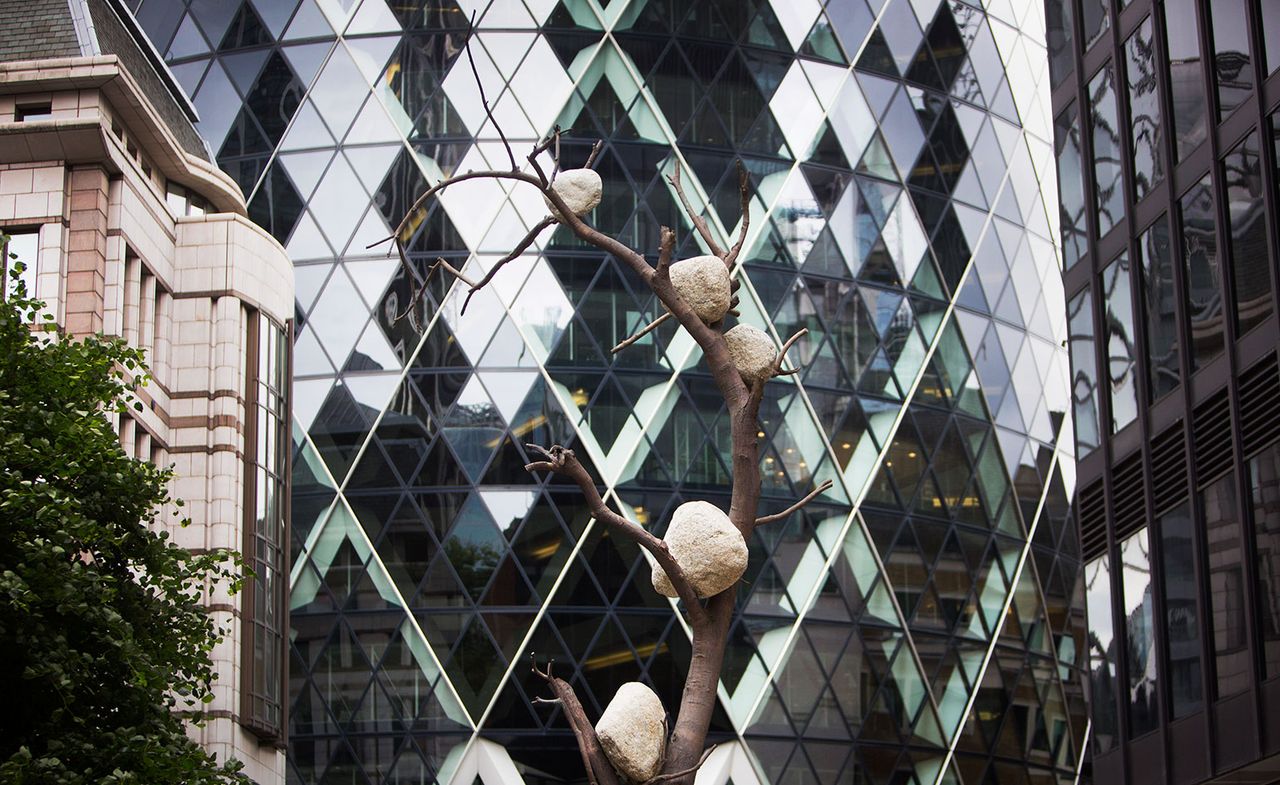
104, 644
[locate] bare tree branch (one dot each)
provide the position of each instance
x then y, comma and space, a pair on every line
648, 328
666, 246
520, 248
813, 494
599, 770
678, 774
595, 154
539, 149
698, 222
466, 46
563, 462
744, 191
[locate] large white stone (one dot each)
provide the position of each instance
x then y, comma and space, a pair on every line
752, 352
580, 189
708, 548
632, 732
703, 282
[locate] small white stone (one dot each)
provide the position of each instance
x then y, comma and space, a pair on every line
708, 548
581, 190
752, 352
703, 282
632, 732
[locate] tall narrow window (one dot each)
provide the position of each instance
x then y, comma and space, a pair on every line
1264, 484
1058, 37
21, 249
1159, 295
1107, 177
1097, 20
1084, 372
1224, 547
1182, 620
1104, 695
1144, 110
1232, 69
1071, 203
266, 493
1122, 352
1204, 278
1186, 82
1271, 33
1139, 626
1250, 265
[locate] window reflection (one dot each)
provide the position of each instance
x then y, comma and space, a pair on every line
1204, 278
1264, 484
1242, 169
1144, 110
1232, 70
1226, 585
21, 248
1084, 372
1121, 349
1182, 621
1183, 44
1097, 20
1270, 17
1159, 294
1139, 625
1103, 698
1108, 182
1070, 186
1058, 34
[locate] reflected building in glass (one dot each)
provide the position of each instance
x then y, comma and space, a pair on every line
922, 623
1166, 112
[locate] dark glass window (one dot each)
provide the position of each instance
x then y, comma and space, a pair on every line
1108, 181
29, 113
1186, 82
1084, 372
1226, 584
1103, 666
1182, 620
1097, 20
1232, 70
1139, 627
1250, 260
1271, 33
1058, 34
1144, 109
1121, 343
1159, 294
1070, 186
1264, 484
1204, 278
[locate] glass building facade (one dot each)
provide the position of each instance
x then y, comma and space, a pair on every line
923, 622
1167, 115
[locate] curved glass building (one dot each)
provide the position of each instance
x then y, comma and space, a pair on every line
922, 623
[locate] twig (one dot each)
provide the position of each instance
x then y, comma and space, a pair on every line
466, 45
648, 328
757, 388
563, 462
666, 245
698, 223
744, 189
810, 496
675, 775
599, 770
519, 249
445, 183
539, 149
591, 159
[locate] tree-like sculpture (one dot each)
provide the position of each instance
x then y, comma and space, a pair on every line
631, 743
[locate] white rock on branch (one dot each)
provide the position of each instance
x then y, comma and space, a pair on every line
632, 732
581, 190
708, 548
703, 282
752, 352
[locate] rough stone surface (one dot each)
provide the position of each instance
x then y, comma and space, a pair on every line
580, 189
632, 732
703, 282
752, 352
707, 547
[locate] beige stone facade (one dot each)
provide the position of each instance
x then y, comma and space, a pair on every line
134, 235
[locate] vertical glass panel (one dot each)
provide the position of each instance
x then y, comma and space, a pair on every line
1097, 20
1231, 66
1139, 626
1159, 295
1144, 109
1186, 82
1204, 278
21, 249
1264, 484
1226, 585
1121, 349
1058, 34
1250, 260
1108, 181
1084, 372
1070, 186
1271, 33
1103, 696
1182, 621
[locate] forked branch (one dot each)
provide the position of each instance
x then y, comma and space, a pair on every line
520, 248
744, 192
699, 222
599, 770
